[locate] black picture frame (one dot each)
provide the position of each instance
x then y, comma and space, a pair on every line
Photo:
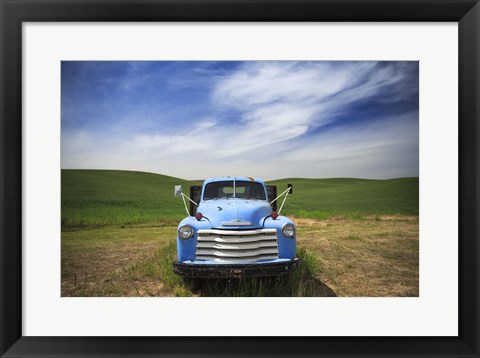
14, 12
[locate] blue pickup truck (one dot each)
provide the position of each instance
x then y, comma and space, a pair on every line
233, 230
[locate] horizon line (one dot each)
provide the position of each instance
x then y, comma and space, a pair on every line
265, 180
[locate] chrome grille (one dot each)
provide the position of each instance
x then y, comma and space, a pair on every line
237, 245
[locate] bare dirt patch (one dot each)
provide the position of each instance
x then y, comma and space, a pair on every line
305, 222
392, 217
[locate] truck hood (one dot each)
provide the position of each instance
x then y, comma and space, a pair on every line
235, 213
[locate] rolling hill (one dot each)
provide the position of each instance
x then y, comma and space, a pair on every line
111, 197
322, 198
103, 197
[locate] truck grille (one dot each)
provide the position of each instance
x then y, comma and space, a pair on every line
237, 245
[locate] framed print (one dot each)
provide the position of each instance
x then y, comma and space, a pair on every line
287, 178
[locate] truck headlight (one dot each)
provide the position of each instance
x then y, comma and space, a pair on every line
288, 230
185, 232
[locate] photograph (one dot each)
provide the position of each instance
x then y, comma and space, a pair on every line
239, 178
301, 177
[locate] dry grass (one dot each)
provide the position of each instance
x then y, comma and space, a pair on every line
96, 262
376, 256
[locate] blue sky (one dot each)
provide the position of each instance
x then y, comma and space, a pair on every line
268, 119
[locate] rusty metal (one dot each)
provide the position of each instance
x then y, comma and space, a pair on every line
235, 270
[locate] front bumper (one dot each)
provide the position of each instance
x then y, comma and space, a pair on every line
233, 270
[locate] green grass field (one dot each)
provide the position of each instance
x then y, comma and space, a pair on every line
355, 237
324, 198
110, 197
106, 197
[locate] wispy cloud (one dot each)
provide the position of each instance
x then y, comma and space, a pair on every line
323, 119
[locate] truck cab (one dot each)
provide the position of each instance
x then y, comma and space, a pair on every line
233, 230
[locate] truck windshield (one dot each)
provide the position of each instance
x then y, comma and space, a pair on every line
243, 190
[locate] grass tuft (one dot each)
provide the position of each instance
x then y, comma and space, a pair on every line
352, 238
301, 282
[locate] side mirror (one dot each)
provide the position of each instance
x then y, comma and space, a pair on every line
291, 188
178, 190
